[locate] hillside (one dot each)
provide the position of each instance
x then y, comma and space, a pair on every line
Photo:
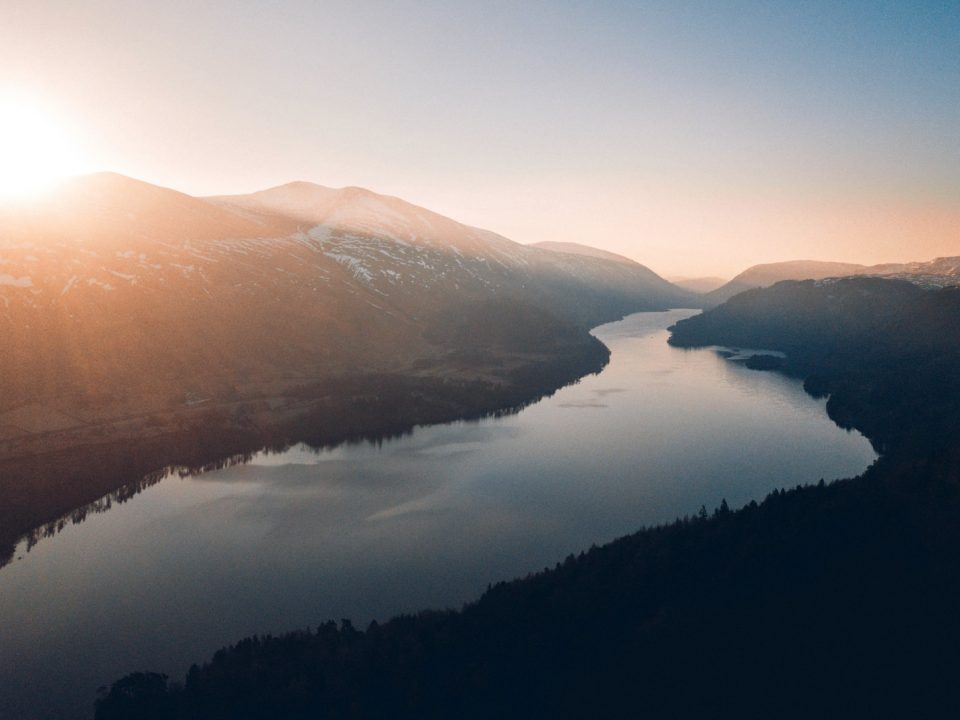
885, 351
771, 273
829, 600
940, 272
362, 227
146, 328
573, 248
937, 273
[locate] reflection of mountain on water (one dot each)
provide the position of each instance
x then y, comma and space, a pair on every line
77, 516
399, 405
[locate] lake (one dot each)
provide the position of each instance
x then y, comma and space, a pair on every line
427, 520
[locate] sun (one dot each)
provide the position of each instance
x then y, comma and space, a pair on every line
36, 150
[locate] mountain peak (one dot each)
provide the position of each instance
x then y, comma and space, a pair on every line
294, 186
359, 211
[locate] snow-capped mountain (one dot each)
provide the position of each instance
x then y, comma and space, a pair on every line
392, 245
113, 288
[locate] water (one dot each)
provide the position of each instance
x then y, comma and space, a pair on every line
427, 520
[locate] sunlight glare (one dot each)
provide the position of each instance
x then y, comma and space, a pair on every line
36, 151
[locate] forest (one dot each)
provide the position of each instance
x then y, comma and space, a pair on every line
835, 600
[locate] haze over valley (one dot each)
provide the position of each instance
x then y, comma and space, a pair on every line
157, 332
141, 315
450, 360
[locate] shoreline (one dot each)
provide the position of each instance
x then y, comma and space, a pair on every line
46, 489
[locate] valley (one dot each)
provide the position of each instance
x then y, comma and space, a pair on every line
149, 329
264, 541
829, 595
479, 361
159, 336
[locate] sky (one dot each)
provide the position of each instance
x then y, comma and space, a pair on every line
696, 137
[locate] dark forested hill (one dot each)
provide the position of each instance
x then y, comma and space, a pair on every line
885, 351
831, 601
937, 273
768, 274
822, 601
806, 319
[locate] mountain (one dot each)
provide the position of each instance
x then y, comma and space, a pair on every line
573, 248
372, 231
114, 285
799, 317
885, 351
700, 285
656, 285
938, 273
153, 328
941, 272
114, 210
771, 273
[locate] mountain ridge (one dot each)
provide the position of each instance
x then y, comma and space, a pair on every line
939, 272
573, 248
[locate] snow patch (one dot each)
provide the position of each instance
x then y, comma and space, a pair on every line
23, 282
123, 276
359, 270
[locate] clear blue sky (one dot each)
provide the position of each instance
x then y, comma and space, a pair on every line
698, 137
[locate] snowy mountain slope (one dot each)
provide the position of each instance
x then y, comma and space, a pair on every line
937, 273
380, 234
113, 291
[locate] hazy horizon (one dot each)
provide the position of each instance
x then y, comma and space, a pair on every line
422, 359
695, 140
